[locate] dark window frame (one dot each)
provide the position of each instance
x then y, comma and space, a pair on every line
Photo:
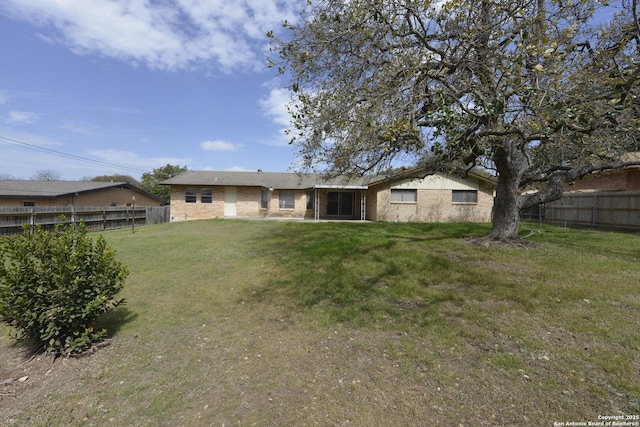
190, 195
206, 195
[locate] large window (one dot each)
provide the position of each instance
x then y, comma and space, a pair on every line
287, 199
206, 195
264, 199
404, 195
340, 203
190, 195
309, 200
464, 196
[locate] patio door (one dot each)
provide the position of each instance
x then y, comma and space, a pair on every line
230, 199
340, 203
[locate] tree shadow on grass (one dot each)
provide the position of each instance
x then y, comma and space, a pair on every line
114, 320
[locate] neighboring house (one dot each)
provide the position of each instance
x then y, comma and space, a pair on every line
625, 179
74, 193
408, 196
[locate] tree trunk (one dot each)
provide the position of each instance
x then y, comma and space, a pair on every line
511, 163
506, 210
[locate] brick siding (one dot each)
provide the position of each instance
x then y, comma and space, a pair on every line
248, 201
620, 180
103, 197
432, 206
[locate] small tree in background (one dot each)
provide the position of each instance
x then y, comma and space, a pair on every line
46, 175
55, 286
150, 181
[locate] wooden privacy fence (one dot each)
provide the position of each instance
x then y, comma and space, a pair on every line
615, 210
95, 218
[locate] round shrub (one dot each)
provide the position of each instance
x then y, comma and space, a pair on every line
55, 285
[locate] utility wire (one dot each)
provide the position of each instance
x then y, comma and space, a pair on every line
67, 155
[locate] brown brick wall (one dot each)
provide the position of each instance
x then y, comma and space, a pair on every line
432, 206
119, 196
622, 180
247, 204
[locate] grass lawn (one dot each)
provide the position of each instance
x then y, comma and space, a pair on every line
302, 323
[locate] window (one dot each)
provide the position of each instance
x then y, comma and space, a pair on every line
206, 195
464, 196
404, 196
28, 204
264, 199
190, 195
309, 200
287, 199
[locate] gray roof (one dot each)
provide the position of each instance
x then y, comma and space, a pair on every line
51, 189
277, 180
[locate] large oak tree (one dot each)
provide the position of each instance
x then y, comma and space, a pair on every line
541, 92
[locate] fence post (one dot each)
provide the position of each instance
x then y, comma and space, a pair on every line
133, 214
32, 221
539, 215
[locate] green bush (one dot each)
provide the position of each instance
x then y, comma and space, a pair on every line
55, 285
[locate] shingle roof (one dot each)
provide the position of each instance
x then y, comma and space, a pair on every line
277, 180
51, 189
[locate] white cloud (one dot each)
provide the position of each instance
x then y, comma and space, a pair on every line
77, 128
162, 35
22, 117
3, 97
274, 106
219, 146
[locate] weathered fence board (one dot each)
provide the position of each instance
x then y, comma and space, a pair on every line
616, 210
12, 219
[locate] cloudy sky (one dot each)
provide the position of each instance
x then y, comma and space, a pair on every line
102, 87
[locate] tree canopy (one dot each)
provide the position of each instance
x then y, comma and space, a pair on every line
541, 92
150, 181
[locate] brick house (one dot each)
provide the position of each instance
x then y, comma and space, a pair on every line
625, 179
74, 193
411, 196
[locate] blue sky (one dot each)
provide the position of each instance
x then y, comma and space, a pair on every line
136, 84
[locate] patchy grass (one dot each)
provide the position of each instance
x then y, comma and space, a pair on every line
300, 323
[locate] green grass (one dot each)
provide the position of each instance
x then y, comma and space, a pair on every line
299, 323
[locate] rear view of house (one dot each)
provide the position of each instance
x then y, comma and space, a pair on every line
411, 196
